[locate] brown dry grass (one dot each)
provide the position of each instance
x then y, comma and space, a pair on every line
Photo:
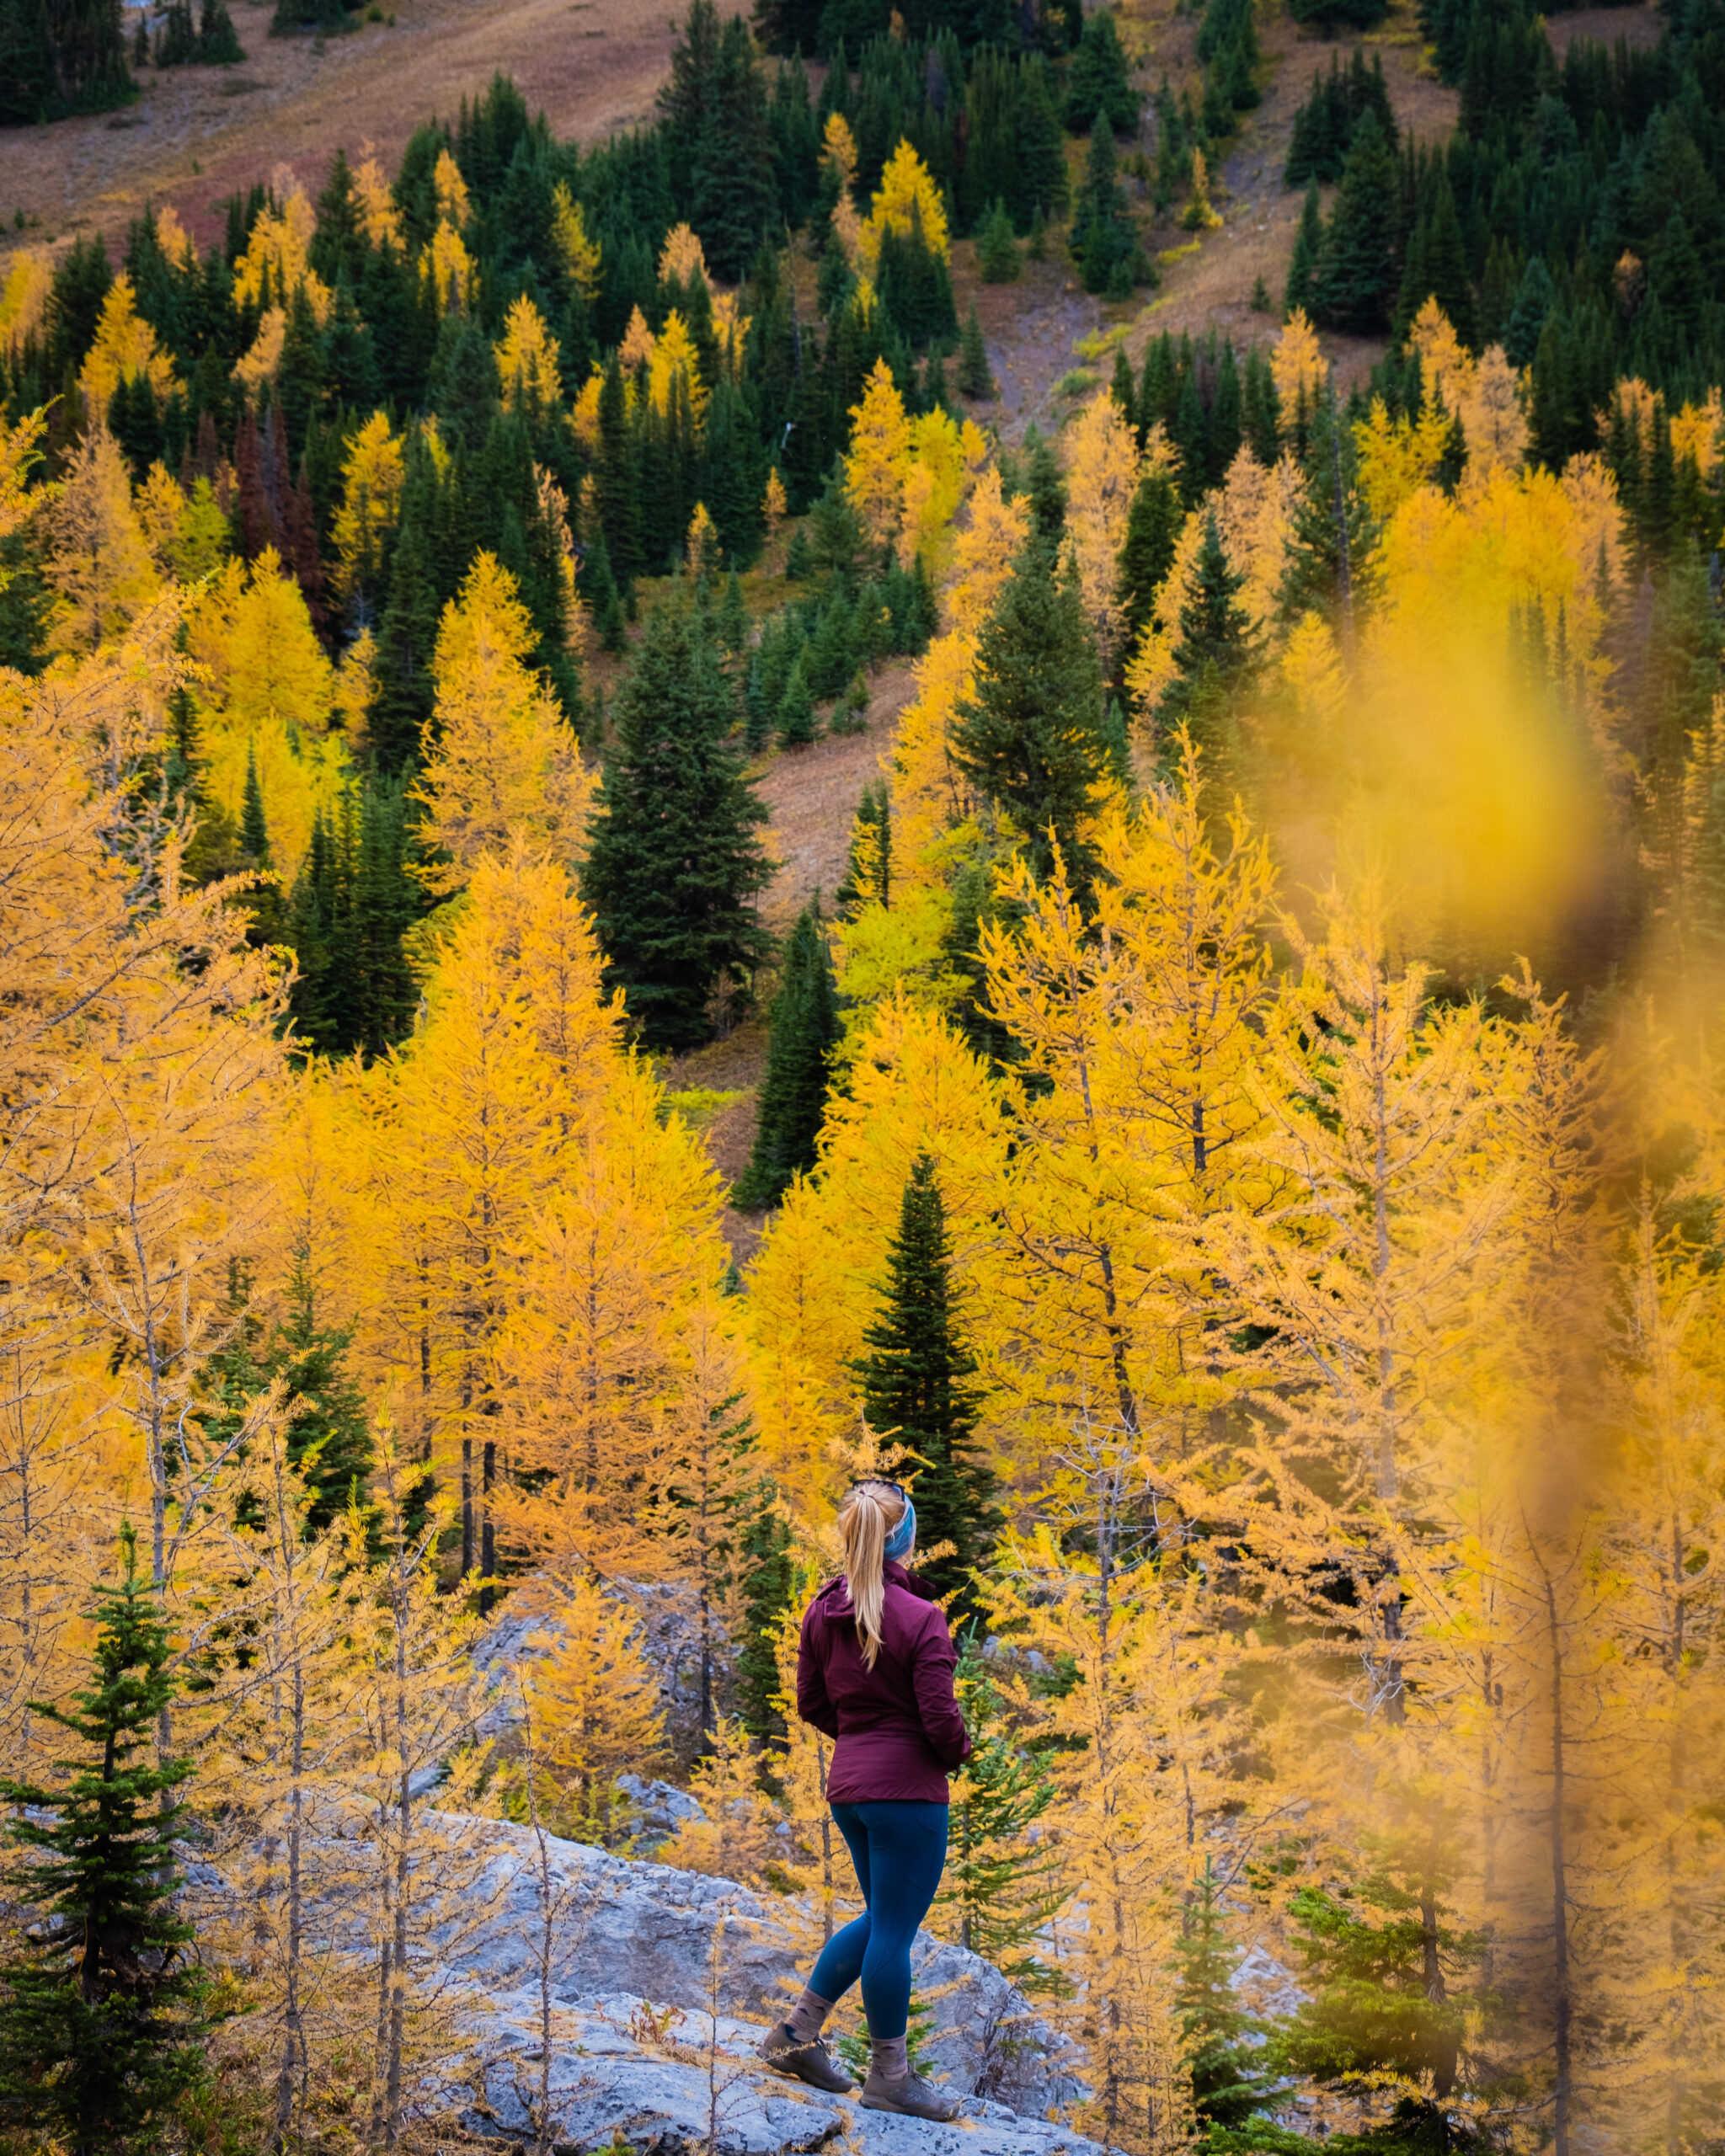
198, 133
1641, 28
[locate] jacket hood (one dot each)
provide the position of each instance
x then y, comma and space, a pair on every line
834, 1601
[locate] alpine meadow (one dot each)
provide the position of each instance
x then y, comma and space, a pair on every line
989, 747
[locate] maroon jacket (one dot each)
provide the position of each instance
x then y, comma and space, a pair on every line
898, 1726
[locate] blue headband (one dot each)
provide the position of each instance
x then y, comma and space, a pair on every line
898, 1543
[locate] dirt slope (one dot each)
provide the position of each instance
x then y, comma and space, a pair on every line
197, 133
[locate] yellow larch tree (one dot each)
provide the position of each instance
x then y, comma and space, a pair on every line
638, 342
906, 198
469, 1125
1298, 366
99, 560
701, 546
578, 251
142, 1051
278, 256
125, 349
24, 295
270, 698
378, 209
879, 457
527, 355
616, 1259
1142, 1041
452, 272
674, 366
1129, 1740
596, 1706
506, 763
1388, 1189
682, 257
373, 474
838, 146
1101, 473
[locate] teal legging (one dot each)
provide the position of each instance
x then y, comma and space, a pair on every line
898, 1850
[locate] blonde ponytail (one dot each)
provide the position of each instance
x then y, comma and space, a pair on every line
868, 1514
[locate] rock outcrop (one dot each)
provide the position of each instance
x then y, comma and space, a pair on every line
711, 1948
660, 1984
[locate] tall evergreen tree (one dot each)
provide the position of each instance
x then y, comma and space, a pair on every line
1098, 86
805, 1031
329, 1439
1356, 278
1302, 263
767, 1579
674, 861
1002, 1883
719, 139
1105, 242
100, 2029
1224, 2043
1030, 735
915, 1380
1215, 651
1153, 525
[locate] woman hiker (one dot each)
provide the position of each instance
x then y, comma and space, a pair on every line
874, 1671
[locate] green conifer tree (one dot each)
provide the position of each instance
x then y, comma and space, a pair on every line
1104, 243
996, 248
1098, 84
867, 879
1216, 653
1354, 281
101, 2023
1030, 735
999, 1880
975, 377
1224, 2044
329, 1439
796, 707
915, 1381
805, 1031
1153, 525
767, 1581
1041, 153
674, 863
1302, 263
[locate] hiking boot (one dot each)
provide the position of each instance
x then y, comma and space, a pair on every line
913, 2096
811, 2062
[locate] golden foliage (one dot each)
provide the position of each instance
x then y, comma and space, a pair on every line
878, 456
453, 273
1297, 365
277, 259
382, 219
580, 254
906, 200
24, 295
682, 257
125, 349
505, 768
1102, 475
372, 475
674, 368
701, 546
527, 355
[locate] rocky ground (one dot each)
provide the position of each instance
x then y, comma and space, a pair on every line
660, 1985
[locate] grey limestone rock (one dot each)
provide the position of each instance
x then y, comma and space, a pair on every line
694, 2084
680, 1939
